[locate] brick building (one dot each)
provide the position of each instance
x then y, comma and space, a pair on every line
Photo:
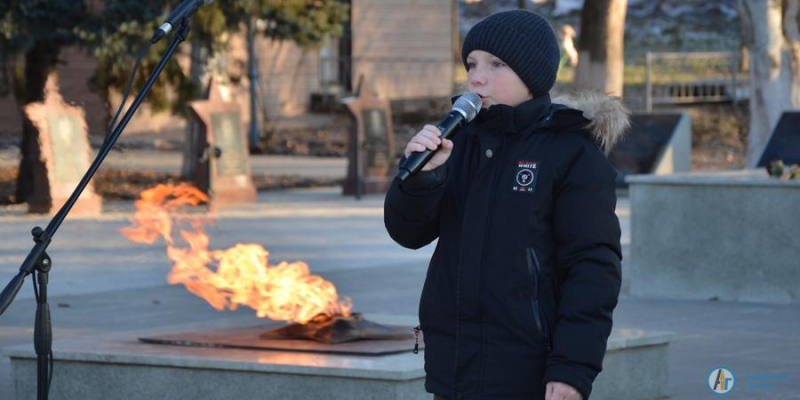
404, 47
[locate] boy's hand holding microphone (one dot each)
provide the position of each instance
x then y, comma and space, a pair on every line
429, 138
432, 146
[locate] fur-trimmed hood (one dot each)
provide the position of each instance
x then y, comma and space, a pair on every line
608, 118
603, 118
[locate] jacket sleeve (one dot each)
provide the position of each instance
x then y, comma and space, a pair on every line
588, 257
411, 208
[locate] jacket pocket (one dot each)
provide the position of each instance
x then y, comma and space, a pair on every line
538, 312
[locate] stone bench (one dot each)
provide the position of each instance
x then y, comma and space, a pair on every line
121, 368
714, 235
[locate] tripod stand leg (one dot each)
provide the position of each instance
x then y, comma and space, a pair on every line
43, 334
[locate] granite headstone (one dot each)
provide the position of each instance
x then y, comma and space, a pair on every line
784, 143
657, 143
371, 160
220, 156
64, 151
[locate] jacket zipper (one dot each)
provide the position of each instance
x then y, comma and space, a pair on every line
416, 338
490, 214
541, 322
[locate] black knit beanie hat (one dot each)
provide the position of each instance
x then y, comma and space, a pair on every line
522, 39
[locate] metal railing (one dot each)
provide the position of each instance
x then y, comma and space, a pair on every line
679, 78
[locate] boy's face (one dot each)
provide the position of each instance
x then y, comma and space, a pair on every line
494, 81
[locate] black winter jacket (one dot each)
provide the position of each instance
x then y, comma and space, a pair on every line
526, 272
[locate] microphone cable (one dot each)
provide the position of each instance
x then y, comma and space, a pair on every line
127, 92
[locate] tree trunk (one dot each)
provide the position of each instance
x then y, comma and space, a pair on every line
773, 39
600, 47
40, 62
455, 36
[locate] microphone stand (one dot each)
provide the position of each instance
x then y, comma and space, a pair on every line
38, 261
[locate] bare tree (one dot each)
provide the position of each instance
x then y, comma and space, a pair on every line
771, 33
600, 46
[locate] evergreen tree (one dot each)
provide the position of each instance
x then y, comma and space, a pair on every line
115, 31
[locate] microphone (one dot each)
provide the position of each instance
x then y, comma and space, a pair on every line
181, 12
464, 110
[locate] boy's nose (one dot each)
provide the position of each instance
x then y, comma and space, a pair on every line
476, 79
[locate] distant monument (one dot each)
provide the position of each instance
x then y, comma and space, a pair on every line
220, 156
784, 143
371, 154
65, 153
657, 143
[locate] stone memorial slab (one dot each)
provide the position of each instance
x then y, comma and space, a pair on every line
221, 158
64, 152
714, 235
371, 156
657, 143
784, 143
251, 338
122, 368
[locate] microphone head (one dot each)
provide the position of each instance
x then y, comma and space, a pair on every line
468, 105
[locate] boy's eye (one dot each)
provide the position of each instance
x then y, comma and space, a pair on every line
497, 64
470, 65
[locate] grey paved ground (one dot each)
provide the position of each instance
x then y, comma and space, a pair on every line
170, 161
102, 283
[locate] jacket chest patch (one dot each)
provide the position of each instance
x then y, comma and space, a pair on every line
525, 176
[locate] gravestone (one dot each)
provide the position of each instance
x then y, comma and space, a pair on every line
657, 143
220, 156
371, 154
784, 143
64, 153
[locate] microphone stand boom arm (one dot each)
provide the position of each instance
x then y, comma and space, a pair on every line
38, 260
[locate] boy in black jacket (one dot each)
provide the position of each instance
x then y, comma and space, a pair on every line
519, 294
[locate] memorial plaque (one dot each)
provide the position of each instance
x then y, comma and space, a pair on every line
221, 159
69, 155
228, 136
64, 153
784, 143
371, 156
376, 143
655, 144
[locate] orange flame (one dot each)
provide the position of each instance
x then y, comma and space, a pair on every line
240, 275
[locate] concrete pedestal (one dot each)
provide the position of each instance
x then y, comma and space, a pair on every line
122, 368
636, 366
724, 235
